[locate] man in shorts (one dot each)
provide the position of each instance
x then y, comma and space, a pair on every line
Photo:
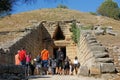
60, 60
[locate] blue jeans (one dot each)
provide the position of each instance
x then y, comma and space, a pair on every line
23, 62
45, 63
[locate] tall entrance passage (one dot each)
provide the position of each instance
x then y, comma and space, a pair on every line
58, 34
63, 48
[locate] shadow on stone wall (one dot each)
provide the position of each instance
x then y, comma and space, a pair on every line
33, 39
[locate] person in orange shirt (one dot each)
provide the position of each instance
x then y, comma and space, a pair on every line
45, 57
17, 60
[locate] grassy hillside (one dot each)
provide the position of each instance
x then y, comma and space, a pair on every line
22, 20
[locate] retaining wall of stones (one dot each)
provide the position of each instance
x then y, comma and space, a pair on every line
32, 39
12, 72
93, 56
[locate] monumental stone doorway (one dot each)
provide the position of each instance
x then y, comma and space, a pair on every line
63, 48
58, 34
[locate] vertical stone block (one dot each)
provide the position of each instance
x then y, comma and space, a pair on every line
84, 71
107, 67
95, 69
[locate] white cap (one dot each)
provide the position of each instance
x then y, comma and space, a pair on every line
35, 59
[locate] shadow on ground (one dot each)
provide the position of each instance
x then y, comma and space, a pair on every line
38, 76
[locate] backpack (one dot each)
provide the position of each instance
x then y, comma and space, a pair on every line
61, 55
78, 65
54, 64
66, 63
38, 58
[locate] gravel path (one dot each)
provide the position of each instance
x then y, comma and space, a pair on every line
61, 77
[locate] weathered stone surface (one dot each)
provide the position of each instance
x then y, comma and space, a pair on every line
92, 41
12, 72
90, 38
4, 69
107, 67
104, 60
97, 48
101, 55
95, 69
14, 78
95, 44
16, 69
84, 71
98, 32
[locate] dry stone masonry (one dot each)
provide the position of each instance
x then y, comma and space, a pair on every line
12, 72
93, 56
95, 59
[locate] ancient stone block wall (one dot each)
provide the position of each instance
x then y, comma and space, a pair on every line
37, 37
32, 39
93, 56
67, 42
12, 72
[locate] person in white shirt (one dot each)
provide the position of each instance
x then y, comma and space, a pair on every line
76, 64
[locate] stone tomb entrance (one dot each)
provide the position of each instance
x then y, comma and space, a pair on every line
51, 35
63, 48
61, 36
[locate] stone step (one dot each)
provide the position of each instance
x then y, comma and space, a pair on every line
98, 48
107, 67
104, 60
101, 55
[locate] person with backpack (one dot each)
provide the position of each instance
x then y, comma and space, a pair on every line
76, 64
60, 60
49, 66
38, 64
66, 66
53, 65
71, 67
45, 57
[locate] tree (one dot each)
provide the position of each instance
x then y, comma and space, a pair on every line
62, 6
110, 9
6, 6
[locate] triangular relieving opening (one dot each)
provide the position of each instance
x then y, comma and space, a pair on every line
58, 34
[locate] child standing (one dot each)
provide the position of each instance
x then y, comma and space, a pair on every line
28, 62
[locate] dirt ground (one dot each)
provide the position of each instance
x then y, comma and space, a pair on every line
62, 77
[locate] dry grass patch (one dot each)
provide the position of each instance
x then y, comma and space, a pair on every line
22, 20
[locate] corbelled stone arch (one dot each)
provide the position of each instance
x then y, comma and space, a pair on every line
58, 33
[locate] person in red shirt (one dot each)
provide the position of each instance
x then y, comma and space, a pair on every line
22, 56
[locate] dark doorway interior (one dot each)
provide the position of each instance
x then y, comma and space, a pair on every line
63, 48
58, 34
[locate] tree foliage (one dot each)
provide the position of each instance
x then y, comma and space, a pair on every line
93, 13
6, 6
62, 6
110, 9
